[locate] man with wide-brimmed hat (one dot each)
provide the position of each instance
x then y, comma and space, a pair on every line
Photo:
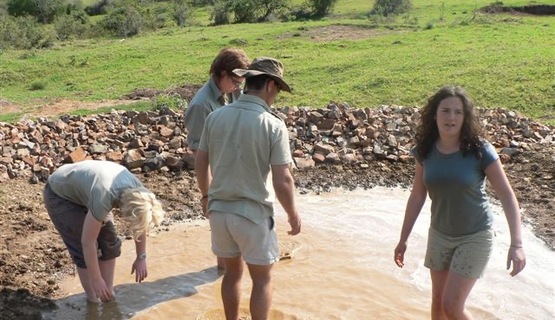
241, 143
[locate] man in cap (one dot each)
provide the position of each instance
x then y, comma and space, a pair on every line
240, 145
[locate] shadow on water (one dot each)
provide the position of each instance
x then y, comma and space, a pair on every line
22, 304
132, 297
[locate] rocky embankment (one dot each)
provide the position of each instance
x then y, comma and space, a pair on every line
156, 140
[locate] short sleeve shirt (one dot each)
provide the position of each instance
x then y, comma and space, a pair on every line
457, 187
206, 100
96, 185
243, 140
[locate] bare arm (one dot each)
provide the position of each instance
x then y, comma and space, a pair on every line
91, 229
202, 171
500, 183
139, 266
412, 211
284, 186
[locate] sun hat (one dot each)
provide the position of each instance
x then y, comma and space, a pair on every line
268, 66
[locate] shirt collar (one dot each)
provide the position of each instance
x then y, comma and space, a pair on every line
249, 98
214, 88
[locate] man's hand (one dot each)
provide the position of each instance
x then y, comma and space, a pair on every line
295, 223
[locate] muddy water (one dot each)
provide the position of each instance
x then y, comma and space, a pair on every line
341, 267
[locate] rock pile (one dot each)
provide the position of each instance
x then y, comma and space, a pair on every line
156, 140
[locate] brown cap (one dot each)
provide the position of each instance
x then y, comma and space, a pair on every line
268, 66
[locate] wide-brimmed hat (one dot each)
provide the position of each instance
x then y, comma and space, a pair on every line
268, 66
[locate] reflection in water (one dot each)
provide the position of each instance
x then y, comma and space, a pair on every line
340, 267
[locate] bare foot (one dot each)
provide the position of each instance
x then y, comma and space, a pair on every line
93, 300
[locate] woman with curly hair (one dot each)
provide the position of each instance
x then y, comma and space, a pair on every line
79, 198
452, 164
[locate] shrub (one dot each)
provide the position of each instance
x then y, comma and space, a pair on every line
37, 85
245, 11
73, 25
44, 10
320, 8
24, 33
123, 22
181, 12
391, 7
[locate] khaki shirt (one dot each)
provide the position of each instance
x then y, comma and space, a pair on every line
243, 140
206, 100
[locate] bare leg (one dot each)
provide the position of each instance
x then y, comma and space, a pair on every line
438, 285
107, 268
261, 295
455, 293
86, 284
231, 287
220, 263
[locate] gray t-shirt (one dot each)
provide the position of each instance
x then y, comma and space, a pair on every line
243, 140
96, 185
457, 187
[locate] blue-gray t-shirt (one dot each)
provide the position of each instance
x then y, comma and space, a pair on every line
457, 187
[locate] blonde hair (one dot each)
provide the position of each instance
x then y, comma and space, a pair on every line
141, 208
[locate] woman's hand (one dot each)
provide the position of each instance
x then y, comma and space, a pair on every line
517, 258
140, 269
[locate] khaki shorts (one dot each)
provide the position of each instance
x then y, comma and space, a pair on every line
234, 236
466, 256
68, 218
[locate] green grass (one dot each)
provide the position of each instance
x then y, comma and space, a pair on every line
502, 60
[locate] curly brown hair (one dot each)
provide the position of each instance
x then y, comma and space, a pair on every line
227, 60
427, 132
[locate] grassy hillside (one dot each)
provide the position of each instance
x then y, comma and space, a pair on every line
504, 60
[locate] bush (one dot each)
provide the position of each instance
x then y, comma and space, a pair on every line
37, 85
44, 10
181, 12
24, 33
123, 22
246, 11
388, 8
69, 27
320, 8
220, 13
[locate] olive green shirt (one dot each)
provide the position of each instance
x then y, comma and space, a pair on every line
242, 141
207, 99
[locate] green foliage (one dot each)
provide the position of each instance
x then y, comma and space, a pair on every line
321, 8
173, 102
44, 10
72, 25
37, 85
182, 12
23, 33
246, 11
123, 21
391, 7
